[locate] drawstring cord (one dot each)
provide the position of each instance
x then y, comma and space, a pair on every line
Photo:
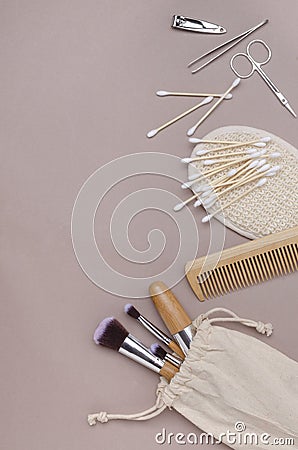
160, 406
261, 327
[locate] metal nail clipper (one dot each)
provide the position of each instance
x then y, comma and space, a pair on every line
197, 25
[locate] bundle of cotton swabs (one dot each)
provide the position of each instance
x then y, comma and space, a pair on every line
234, 167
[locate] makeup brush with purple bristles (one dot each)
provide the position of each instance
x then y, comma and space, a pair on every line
134, 313
158, 351
112, 334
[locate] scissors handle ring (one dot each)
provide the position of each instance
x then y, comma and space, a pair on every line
239, 75
259, 41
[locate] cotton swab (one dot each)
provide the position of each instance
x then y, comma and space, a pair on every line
260, 183
193, 140
246, 170
252, 175
207, 141
192, 130
154, 132
210, 162
211, 190
181, 205
249, 151
195, 179
265, 171
190, 94
260, 143
242, 182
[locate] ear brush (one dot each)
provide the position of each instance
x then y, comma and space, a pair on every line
158, 351
111, 333
134, 313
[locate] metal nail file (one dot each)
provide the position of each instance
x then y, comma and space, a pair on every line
197, 25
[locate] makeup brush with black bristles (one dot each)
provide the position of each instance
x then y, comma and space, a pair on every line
134, 313
112, 334
158, 351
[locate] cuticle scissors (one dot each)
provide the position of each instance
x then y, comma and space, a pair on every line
256, 66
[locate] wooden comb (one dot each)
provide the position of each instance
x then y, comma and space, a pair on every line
244, 265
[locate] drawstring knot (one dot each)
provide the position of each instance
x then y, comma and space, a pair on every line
261, 327
264, 328
101, 417
158, 408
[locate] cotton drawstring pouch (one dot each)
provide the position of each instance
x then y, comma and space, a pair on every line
231, 382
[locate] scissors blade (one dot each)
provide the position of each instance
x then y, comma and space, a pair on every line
197, 25
287, 105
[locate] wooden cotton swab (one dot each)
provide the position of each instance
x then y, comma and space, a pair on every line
207, 141
266, 170
246, 171
250, 151
229, 144
256, 143
212, 172
224, 166
212, 184
242, 182
181, 205
192, 130
203, 176
209, 162
216, 193
193, 140
190, 94
253, 174
193, 179
222, 182
260, 183
154, 132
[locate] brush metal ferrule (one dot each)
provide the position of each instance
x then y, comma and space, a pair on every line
173, 360
154, 330
135, 350
184, 338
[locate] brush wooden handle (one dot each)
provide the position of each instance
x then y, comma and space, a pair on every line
169, 308
168, 371
175, 348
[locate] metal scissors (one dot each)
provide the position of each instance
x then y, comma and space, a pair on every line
256, 66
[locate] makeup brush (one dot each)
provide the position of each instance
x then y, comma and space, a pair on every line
134, 313
175, 318
158, 351
111, 333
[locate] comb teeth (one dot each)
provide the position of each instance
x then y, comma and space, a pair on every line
244, 265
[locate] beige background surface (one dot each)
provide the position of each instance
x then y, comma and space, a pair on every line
77, 90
